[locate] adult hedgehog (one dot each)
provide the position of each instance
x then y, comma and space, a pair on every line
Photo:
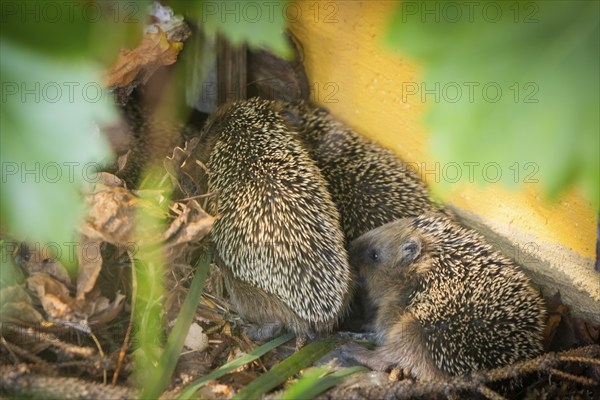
448, 303
277, 240
369, 184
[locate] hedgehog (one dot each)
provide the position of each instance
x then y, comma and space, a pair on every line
448, 303
277, 240
369, 184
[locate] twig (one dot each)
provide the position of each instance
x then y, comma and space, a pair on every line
565, 375
125, 345
22, 382
101, 352
13, 348
475, 382
52, 340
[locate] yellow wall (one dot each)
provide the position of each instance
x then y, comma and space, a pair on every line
361, 83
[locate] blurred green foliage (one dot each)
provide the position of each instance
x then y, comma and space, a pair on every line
11, 274
287, 368
52, 56
160, 377
259, 24
232, 365
49, 148
148, 288
316, 380
511, 83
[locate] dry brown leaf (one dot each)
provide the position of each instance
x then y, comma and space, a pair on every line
108, 179
110, 312
154, 51
190, 226
59, 306
188, 176
90, 264
111, 216
53, 295
122, 161
557, 311
585, 332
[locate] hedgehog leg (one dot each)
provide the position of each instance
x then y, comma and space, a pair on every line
404, 348
354, 352
405, 344
269, 314
263, 332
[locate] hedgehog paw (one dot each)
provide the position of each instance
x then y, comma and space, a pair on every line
264, 332
354, 352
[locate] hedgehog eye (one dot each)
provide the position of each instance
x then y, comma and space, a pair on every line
374, 255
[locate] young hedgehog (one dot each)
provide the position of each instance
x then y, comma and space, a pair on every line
448, 303
277, 240
369, 184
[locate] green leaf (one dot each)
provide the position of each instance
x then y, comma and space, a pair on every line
317, 380
511, 83
52, 102
74, 29
166, 365
50, 146
189, 391
259, 24
148, 286
286, 369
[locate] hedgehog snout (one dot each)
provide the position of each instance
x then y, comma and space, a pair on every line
363, 254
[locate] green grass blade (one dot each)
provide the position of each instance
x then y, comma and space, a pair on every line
176, 339
287, 368
316, 381
232, 365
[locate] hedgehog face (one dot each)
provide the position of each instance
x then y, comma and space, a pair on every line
389, 247
386, 256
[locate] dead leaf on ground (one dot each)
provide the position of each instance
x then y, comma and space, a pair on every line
16, 306
60, 307
110, 312
190, 226
563, 330
188, 175
53, 295
89, 257
111, 215
557, 311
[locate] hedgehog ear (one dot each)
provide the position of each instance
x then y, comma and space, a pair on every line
410, 249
